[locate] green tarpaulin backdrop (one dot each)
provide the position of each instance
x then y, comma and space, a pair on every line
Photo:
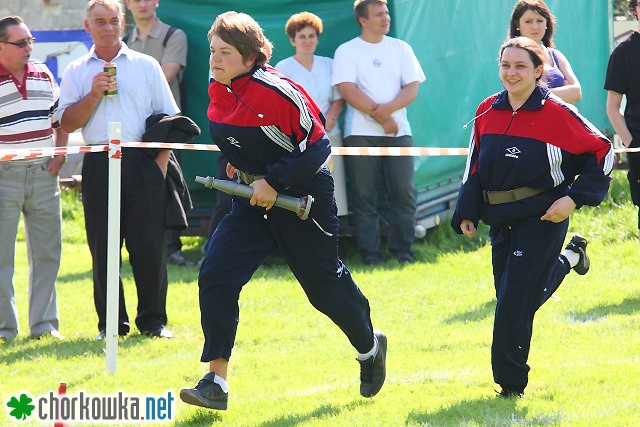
456, 42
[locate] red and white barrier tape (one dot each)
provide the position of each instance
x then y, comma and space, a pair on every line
31, 153
398, 151
171, 146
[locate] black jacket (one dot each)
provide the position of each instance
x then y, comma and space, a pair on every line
180, 129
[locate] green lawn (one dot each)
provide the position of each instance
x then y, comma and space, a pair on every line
292, 367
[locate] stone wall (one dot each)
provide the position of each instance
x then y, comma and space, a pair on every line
47, 14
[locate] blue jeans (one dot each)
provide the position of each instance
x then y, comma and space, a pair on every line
365, 175
29, 189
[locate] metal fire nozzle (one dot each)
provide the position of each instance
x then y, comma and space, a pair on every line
299, 205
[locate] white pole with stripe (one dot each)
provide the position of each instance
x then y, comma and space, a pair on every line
113, 245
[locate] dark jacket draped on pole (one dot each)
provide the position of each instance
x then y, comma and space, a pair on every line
179, 129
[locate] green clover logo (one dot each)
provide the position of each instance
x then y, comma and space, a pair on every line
21, 408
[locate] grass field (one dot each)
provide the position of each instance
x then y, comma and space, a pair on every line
292, 367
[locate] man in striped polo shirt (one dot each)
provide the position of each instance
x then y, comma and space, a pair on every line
28, 99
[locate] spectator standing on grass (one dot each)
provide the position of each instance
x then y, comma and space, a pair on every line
142, 90
273, 134
313, 73
533, 19
168, 45
623, 79
532, 160
378, 76
28, 101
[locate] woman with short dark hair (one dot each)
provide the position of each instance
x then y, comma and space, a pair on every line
274, 138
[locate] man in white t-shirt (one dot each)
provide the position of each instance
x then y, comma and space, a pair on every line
378, 76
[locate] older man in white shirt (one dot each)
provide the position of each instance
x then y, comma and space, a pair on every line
142, 90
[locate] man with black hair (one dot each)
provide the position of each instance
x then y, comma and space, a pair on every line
623, 80
28, 100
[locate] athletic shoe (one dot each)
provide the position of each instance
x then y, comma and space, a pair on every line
511, 394
374, 370
578, 244
372, 259
404, 258
207, 394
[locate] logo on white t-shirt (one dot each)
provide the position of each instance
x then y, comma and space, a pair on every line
377, 63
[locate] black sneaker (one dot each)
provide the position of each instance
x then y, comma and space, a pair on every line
372, 260
578, 244
511, 394
207, 394
404, 258
374, 370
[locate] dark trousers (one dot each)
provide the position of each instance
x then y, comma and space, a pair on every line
366, 173
174, 244
223, 200
141, 228
633, 175
246, 237
527, 270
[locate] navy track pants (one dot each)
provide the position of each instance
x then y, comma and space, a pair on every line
527, 270
246, 236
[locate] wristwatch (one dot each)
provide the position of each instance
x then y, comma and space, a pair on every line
62, 155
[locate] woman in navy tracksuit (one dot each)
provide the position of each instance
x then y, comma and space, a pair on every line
526, 149
274, 138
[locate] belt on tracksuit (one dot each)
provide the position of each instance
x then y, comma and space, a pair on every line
500, 197
247, 178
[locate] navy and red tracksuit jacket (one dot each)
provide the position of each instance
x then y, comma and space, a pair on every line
268, 125
545, 144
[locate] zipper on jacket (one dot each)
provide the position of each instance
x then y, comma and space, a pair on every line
230, 90
513, 115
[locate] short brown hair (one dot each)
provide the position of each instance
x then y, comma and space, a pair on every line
525, 43
6, 22
538, 6
360, 8
300, 21
242, 32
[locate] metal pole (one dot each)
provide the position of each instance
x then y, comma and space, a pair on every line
113, 245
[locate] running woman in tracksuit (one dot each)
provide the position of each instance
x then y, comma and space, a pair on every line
532, 160
273, 135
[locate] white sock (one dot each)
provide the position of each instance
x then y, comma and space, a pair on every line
222, 383
371, 352
572, 257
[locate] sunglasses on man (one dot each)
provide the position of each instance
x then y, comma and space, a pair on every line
22, 43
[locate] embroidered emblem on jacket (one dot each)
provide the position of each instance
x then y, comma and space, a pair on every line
234, 141
513, 152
